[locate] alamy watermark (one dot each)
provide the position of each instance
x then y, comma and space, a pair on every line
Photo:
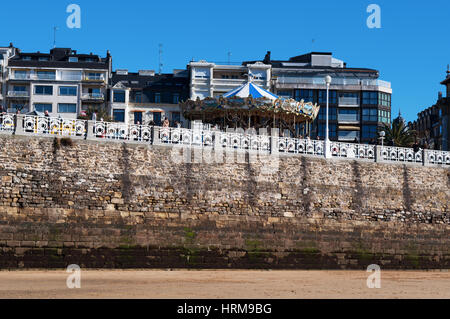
374, 19
374, 280
74, 279
74, 19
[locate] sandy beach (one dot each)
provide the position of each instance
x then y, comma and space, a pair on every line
240, 284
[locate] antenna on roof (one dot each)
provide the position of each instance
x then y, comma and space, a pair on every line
55, 28
160, 58
229, 57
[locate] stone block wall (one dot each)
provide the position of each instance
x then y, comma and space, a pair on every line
114, 205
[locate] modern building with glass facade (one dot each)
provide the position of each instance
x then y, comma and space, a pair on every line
360, 102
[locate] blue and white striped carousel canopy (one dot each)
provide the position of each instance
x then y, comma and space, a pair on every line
248, 89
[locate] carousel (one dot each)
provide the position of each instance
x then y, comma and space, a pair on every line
250, 106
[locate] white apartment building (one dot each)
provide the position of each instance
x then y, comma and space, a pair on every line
208, 79
61, 82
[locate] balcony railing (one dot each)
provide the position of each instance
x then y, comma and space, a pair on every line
213, 139
93, 96
18, 94
348, 101
94, 78
348, 118
334, 81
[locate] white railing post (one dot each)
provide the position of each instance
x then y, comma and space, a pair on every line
378, 154
274, 138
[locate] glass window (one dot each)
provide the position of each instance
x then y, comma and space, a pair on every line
332, 113
43, 90
119, 96
369, 131
157, 98
323, 97
119, 115
46, 75
14, 107
305, 95
384, 116
138, 97
26, 58
332, 130
67, 108
370, 115
285, 94
370, 98
176, 98
42, 58
348, 135
68, 90
385, 99
73, 59
19, 74
20, 88
42, 107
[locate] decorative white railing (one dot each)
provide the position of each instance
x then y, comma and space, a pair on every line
6, 123
121, 131
92, 96
204, 137
300, 146
54, 126
351, 150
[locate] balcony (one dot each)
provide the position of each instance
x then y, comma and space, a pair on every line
348, 118
348, 101
99, 97
44, 77
94, 78
18, 94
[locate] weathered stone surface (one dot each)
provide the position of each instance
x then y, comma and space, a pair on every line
131, 206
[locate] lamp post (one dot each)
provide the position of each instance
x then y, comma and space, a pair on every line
382, 136
327, 137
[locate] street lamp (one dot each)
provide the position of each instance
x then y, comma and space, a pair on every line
382, 135
327, 137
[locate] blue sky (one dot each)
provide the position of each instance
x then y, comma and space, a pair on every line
411, 49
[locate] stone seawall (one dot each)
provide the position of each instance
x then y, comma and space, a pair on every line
135, 206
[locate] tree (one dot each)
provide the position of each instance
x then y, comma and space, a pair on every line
399, 134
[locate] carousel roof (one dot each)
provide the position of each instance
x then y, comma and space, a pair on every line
250, 89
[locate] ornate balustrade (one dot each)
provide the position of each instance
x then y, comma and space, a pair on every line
35, 125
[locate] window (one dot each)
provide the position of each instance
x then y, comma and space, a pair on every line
157, 98
332, 128
157, 118
43, 90
68, 90
138, 97
384, 116
323, 97
26, 58
20, 74
43, 58
370, 115
119, 96
385, 99
176, 98
46, 75
348, 135
18, 107
369, 131
94, 76
119, 115
42, 107
176, 117
305, 95
20, 88
67, 108
348, 115
73, 59
332, 113
370, 98
285, 94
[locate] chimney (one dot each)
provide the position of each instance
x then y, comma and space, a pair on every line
440, 96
